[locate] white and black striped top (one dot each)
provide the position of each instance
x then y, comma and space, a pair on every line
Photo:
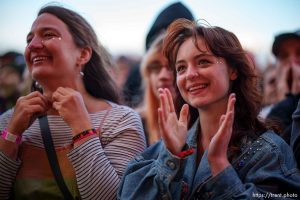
104, 164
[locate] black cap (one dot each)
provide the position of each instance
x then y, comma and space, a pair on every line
279, 39
14, 60
165, 18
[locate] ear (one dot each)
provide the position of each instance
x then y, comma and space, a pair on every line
84, 56
233, 74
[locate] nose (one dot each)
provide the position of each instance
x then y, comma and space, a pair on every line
191, 73
35, 43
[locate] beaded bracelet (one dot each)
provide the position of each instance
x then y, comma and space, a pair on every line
84, 134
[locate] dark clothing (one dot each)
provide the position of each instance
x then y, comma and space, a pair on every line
283, 111
295, 135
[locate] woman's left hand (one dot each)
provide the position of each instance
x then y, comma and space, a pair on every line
70, 106
217, 150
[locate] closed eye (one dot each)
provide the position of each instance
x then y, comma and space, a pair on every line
49, 35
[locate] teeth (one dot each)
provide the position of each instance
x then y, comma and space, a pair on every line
201, 86
38, 59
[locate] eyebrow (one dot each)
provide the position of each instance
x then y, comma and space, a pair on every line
200, 55
43, 29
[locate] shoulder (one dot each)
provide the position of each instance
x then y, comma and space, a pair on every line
274, 141
121, 118
121, 111
269, 149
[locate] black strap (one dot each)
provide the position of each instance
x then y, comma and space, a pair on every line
47, 139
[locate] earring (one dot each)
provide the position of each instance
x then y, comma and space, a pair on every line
81, 73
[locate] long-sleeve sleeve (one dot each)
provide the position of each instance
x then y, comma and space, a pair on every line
99, 166
8, 167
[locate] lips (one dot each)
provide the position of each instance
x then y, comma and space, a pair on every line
39, 59
197, 87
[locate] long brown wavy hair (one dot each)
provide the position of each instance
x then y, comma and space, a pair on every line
225, 44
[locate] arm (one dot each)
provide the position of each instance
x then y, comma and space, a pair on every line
8, 166
151, 175
295, 135
16, 121
99, 167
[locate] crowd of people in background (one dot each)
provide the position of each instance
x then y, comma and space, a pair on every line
136, 128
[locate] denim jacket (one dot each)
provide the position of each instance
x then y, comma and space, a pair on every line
265, 168
295, 134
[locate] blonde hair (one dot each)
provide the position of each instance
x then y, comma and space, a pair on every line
151, 102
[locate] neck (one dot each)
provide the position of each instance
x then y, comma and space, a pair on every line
209, 122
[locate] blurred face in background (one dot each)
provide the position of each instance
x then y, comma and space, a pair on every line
160, 74
289, 52
9, 81
269, 85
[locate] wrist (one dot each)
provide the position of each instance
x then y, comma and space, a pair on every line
8, 136
83, 134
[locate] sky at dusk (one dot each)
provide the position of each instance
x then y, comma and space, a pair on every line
122, 25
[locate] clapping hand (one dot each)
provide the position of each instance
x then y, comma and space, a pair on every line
173, 130
288, 80
217, 149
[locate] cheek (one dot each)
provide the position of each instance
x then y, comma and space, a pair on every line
153, 80
27, 58
180, 81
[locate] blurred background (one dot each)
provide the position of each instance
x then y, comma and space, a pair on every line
122, 27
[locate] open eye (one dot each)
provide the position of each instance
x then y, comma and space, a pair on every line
180, 69
203, 62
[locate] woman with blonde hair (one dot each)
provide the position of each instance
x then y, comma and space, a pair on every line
156, 74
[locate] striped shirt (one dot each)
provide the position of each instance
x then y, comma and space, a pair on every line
98, 165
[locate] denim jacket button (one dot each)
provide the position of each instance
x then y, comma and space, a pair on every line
171, 164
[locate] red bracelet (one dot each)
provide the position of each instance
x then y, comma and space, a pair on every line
185, 153
84, 134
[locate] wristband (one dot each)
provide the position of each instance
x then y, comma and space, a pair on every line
84, 134
185, 153
11, 137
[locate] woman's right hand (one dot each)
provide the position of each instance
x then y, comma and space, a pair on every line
173, 130
26, 110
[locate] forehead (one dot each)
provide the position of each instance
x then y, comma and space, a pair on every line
292, 43
47, 20
190, 46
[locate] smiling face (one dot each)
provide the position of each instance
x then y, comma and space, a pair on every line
51, 53
202, 78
